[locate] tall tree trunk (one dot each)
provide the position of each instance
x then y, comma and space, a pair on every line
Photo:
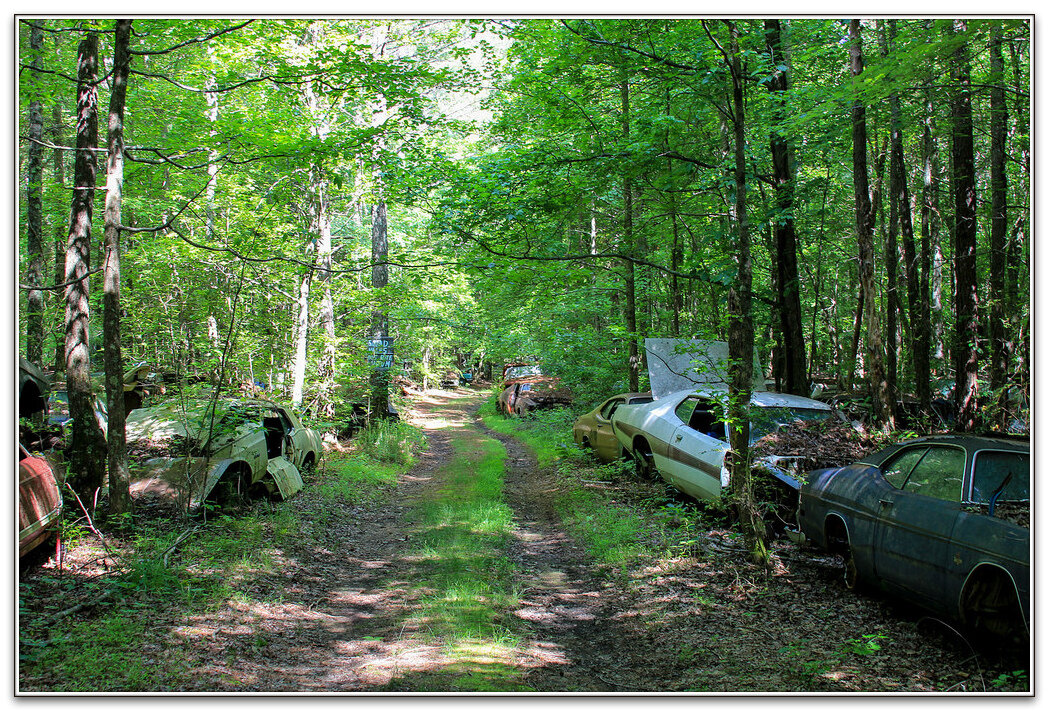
891, 255
741, 327
380, 276
326, 366
964, 188
34, 211
676, 251
87, 448
999, 232
57, 139
788, 296
634, 362
900, 196
931, 257
119, 497
875, 351
380, 377
302, 323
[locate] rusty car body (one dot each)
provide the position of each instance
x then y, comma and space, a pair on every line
927, 520
525, 389
39, 501
220, 453
39, 495
531, 393
683, 437
594, 429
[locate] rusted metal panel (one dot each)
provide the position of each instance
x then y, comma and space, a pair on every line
39, 502
286, 476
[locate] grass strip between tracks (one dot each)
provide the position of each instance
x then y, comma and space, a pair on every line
463, 532
612, 534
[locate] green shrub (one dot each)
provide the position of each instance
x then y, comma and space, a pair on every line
393, 442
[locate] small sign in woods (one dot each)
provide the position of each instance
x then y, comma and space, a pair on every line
380, 352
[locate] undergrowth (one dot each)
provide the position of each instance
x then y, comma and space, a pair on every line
657, 525
172, 571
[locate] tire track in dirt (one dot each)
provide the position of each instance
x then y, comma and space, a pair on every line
579, 619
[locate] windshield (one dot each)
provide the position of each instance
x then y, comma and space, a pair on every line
520, 371
765, 420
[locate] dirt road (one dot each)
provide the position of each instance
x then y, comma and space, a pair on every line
707, 622
344, 609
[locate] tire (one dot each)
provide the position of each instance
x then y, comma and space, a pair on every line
838, 543
851, 577
644, 463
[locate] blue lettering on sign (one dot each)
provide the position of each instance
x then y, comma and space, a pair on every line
380, 352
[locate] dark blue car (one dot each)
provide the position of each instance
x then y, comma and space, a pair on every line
942, 521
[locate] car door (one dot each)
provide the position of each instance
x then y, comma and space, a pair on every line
697, 448
916, 517
603, 439
296, 439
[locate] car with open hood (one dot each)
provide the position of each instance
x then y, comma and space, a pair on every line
202, 451
940, 521
683, 436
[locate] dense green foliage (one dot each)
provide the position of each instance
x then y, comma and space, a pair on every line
502, 149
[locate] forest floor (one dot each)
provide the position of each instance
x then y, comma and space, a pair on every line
348, 614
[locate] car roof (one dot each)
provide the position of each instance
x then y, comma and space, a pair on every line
971, 443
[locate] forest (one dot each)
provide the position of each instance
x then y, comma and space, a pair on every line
264, 206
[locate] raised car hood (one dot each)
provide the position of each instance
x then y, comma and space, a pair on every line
680, 363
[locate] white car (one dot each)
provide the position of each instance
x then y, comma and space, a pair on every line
220, 452
683, 436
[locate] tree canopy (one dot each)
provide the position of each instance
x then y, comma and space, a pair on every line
554, 189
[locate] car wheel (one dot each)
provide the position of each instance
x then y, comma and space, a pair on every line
644, 464
231, 491
990, 607
851, 577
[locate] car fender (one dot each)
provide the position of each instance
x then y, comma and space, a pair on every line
217, 472
285, 475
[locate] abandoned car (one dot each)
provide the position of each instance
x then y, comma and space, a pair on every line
515, 371
33, 388
594, 429
683, 436
940, 521
526, 389
536, 392
39, 496
39, 501
238, 449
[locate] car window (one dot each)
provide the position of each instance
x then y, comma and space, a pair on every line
897, 469
684, 410
765, 420
706, 418
992, 469
639, 400
609, 408
939, 474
